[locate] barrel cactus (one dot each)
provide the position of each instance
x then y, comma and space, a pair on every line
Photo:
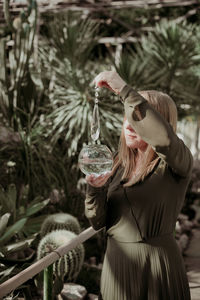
60, 221
69, 265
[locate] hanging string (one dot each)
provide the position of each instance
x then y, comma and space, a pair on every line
95, 124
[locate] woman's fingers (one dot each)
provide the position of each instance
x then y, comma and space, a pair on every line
102, 79
97, 181
103, 84
110, 80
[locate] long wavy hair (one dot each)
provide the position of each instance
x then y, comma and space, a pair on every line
126, 157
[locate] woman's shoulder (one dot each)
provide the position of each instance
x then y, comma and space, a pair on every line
164, 169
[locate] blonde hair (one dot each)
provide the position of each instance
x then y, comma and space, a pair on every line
126, 156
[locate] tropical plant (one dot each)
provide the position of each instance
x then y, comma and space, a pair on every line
166, 59
18, 229
49, 108
33, 162
21, 97
16, 86
72, 67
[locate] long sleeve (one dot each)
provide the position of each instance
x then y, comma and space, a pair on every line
157, 132
95, 206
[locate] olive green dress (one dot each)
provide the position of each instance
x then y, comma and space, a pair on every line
142, 260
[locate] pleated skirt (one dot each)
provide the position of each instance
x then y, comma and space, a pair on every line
144, 271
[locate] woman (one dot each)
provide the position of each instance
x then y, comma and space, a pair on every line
139, 201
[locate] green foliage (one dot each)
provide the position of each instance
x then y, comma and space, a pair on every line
21, 96
133, 67
165, 60
30, 161
172, 48
54, 104
17, 228
15, 85
73, 34
71, 89
67, 267
60, 221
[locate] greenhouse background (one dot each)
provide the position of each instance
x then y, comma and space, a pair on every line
50, 52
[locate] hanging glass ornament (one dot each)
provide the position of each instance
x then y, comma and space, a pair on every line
95, 159
95, 124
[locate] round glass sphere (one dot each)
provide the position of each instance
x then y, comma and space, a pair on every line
95, 159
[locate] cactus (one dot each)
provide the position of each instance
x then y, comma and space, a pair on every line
14, 65
70, 264
60, 221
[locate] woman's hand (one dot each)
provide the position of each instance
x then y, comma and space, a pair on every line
110, 80
97, 181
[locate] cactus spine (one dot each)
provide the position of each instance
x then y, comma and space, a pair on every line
60, 221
